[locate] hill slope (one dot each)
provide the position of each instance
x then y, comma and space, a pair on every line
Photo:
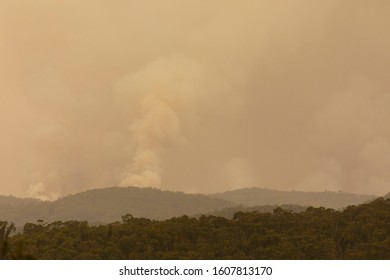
260, 196
20, 210
110, 204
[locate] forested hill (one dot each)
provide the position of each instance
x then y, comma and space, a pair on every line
108, 205
21, 210
261, 196
11, 202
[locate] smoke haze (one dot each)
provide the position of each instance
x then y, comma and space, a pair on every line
194, 96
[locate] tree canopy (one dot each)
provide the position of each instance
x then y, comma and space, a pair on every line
358, 232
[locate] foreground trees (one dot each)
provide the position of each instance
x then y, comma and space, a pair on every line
5, 230
358, 232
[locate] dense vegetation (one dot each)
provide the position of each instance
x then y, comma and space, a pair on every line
358, 232
229, 212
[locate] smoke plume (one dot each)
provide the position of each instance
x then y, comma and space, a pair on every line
194, 96
161, 89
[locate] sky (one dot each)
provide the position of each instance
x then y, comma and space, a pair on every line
194, 96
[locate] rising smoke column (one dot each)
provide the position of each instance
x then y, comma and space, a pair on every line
157, 125
167, 93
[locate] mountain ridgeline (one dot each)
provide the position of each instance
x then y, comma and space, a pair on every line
110, 204
261, 196
107, 205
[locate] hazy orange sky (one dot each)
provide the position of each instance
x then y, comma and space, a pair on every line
196, 96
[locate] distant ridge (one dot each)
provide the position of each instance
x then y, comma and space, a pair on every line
20, 210
262, 196
108, 205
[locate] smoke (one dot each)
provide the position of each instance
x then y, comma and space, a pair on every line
39, 191
194, 96
168, 93
351, 129
236, 173
327, 176
161, 89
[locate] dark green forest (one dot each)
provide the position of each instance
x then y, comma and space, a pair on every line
357, 232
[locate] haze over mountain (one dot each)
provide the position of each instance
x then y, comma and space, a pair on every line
194, 96
261, 196
110, 204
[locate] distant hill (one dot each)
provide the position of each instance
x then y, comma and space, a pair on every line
230, 211
261, 196
110, 204
20, 210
